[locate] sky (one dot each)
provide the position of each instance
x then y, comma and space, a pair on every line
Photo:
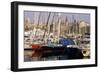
34, 16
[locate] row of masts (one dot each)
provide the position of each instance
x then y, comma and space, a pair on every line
55, 27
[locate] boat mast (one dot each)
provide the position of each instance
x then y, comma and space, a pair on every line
37, 24
32, 29
59, 25
46, 25
49, 25
52, 23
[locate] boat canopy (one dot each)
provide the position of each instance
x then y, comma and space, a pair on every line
66, 41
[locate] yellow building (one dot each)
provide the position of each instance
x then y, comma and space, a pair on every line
84, 27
